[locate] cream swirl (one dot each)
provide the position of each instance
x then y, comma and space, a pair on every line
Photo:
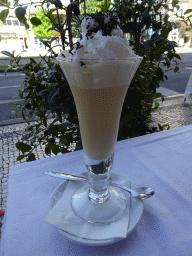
101, 38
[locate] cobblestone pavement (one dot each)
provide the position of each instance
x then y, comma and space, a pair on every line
173, 111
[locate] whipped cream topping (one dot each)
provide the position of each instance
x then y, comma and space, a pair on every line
101, 38
105, 22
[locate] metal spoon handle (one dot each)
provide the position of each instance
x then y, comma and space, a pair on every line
121, 186
73, 177
65, 176
141, 193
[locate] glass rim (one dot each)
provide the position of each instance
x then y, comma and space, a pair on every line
81, 59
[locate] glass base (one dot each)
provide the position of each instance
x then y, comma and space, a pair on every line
96, 211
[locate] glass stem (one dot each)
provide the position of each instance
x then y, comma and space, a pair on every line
98, 191
99, 179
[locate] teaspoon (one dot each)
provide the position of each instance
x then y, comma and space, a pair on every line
141, 193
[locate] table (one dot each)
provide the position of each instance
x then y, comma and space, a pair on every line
162, 161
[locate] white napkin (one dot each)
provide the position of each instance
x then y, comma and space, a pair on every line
63, 217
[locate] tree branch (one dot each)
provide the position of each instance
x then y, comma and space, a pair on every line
69, 17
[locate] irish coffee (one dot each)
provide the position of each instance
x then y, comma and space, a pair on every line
99, 90
99, 70
99, 113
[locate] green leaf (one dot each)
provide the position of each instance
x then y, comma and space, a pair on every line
23, 115
25, 23
51, 28
5, 71
63, 141
187, 11
74, 7
29, 128
50, 145
47, 151
156, 105
177, 56
3, 15
57, 3
3, 2
55, 150
53, 130
26, 65
53, 147
170, 55
157, 95
23, 147
160, 48
35, 21
154, 39
16, 104
46, 43
165, 6
18, 59
20, 13
27, 136
64, 150
15, 3
45, 122
31, 157
20, 157
159, 73
163, 126
157, 7
175, 2
33, 61
7, 54
176, 69
160, 127
37, 68
164, 32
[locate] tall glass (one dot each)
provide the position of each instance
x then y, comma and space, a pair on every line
99, 88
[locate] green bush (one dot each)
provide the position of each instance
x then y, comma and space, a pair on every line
46, 93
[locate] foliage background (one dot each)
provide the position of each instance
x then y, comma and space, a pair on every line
46, 93
42, 29
90, 6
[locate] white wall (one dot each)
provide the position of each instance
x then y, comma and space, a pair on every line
18, 43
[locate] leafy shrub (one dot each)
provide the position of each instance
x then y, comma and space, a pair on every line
46, 93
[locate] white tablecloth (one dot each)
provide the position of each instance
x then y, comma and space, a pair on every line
162, 161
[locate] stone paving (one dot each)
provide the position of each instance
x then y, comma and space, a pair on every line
173, 111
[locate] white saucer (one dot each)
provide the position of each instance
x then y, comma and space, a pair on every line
136, 210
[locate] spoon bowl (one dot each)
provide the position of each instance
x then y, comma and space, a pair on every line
141, 192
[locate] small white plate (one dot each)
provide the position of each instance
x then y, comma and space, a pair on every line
136, 210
